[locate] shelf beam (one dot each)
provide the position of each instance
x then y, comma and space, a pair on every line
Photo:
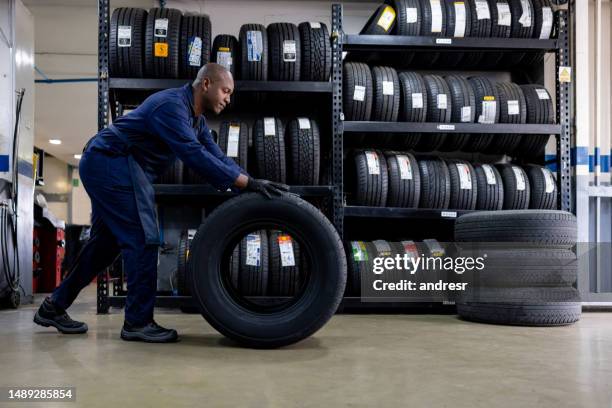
150, 84
426, 127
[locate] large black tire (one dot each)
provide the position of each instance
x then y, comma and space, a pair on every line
490, 187
487, 111
543, 187
270, 150
463, 111
481, 28
513, 109
408, 19
386, 94
539, 110
404, 180
173, 174
433, 25
516, 186
542, 228
413, 103
194, 44
370, 180
254, 271
322, 292
253, 40
284, 278
458, 25
500, 28
226, 52
463, 188
439, 108
357, 91
544, 27
523, 306
316, 52
183, 281
435, 183
126, 51
381, 22
285, 52
523, 20
234, 141
303, 151
162, 60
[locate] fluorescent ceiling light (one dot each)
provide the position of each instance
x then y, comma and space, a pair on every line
55, 141
77, 156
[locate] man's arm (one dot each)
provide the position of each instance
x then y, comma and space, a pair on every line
206, 139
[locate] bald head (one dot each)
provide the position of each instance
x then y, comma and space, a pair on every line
214, 72
213, 87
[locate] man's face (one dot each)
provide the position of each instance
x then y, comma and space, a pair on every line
217, 92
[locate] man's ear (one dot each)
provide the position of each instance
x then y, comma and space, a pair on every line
205, 84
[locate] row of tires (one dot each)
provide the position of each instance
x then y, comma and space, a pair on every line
163, 43
399, 179
288, 153
381, 94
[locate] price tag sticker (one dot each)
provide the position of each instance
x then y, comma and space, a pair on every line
289, 51
404, 167
382, 247
124, 36
466, 114
233, 140
504, 18
442, 101
386, 18
513, 107
489, 108
436, 16
417, 100
465, 177
373, 163
304, 123
459, 19
269, 127
253, 248
519, 177
542, 93
360, 254
314, 25
195, 52
482, 10
525, 19
549, 181
489, 174
161, 27
547, 23
225, 59
387, 87
412, 15
285, 244
254, 45
359, 93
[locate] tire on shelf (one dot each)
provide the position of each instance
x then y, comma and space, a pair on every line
269, 149
543, 187
404, 180
490, 187
413, 106
226, 52
357, 93
523, 18
435, 183
162, 34
544, 28
463, 188
516, 186
439, 108
463, 111
513, 109
386, 94
539, 110
253, 279
303, 143
285, 49
360, 256
434, 23
173, 174
253, 40
480, 27
284, 275
234, 141
408, 19
126, 42
381, 22
458, 25
316, 52
487, 112
195, 44
371, 180
500, 13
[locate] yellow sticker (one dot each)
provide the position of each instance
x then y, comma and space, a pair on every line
460, 3
224, 49
161, 50
387, 18
489, 98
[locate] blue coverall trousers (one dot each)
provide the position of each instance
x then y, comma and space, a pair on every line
116, 228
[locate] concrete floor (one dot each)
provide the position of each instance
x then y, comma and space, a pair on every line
356, 360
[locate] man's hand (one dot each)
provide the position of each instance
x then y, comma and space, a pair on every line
266, 187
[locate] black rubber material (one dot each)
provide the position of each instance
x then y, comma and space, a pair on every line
356, 74
270, 151
372, 26
183, 281
243, 141
478, 28
284, 66
322, 292
462, 198
462, 95
524, 306
514, 199
508, 91
538, 111
435, 85
360, 262
253, 279
385, 107
402, 26
303, 153
484, 89
412, 83
193, 26
489, 196
491, 59
316, 53
370, 189
173, 174
428, 59
453, 59
255, 69
539, 198
127, 61
159, 66
224, 43
435, 183
403, 192
546, 228
518, 29
283, 280
531, 58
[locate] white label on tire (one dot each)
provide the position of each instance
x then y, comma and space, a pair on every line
504, 18
482, 10
285, 244
304, 123
417, 100
547, 23
124, 36
289, 51
436, 16
411, 15
435, 249
253, 249
466, 114
459, 19
195, 52
254, 45
359, 93
382, 247
387, 87
269, 127
386, 18
489, 174
549, 182
359, 251
410, 249
405, 169
314, 24
488, 112
519, 177
525, 19
161, 27
224, 58
542, 93
442, 101
373, 164
233, 139
465, 177
513, 107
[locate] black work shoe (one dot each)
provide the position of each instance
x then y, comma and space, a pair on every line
51, 315
150, 333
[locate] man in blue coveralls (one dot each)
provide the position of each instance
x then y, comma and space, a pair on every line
117, 168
